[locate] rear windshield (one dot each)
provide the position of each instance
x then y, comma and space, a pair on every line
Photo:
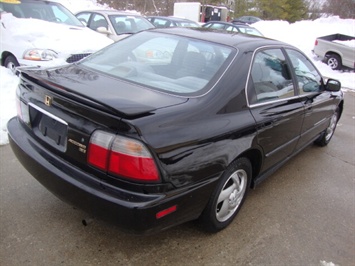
48, 11
169, 63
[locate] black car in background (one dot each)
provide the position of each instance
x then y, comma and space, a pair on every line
232, 27
171, 125
166, 22
247, 19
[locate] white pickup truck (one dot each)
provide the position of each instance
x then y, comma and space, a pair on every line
336, 50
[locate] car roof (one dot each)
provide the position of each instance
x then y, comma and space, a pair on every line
243, 26
237, 25
220, 22
249, 17
234, 39
172, 18
111, 12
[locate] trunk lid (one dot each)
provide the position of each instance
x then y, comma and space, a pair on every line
101, 91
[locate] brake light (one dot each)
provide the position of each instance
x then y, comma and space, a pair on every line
121, 156
316, 42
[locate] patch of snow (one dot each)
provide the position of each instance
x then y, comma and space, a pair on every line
350, 43
8, 84
324, 263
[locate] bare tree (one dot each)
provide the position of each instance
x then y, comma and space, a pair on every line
341, 8
315, 8
155, 7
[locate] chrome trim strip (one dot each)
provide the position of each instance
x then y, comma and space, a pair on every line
48, 114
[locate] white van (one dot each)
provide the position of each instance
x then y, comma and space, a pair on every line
43, 33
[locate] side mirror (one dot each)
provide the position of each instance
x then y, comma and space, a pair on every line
83, 21
332, 85
103, 30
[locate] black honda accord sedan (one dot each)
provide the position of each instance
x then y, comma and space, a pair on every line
171, 125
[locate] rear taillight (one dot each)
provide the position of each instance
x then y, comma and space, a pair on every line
316, 42
99, 149
18, 107
22, 111
121, 156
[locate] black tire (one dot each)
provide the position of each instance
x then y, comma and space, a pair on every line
228, 197
11, 63
334, 61
328, 133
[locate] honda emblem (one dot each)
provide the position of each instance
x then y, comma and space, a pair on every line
48, 100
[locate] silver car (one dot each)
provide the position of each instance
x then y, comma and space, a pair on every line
115, 24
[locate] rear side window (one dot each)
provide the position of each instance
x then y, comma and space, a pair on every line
129, 24
216, 26
250, 30
270, 76
161, 23
231, 28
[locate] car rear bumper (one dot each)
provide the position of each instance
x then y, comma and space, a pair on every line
135, 212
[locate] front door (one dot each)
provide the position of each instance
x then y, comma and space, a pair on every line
317, 102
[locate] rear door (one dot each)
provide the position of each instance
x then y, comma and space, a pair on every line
274, 103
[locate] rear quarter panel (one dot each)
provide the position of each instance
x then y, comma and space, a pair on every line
200, 138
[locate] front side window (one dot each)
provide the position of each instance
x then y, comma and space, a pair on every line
271, 77
84, 17
169, 63
98, 21
307, 76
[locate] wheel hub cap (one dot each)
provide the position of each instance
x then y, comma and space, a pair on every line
231, 195
233, 198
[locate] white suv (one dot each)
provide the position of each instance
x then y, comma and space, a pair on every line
43, 33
